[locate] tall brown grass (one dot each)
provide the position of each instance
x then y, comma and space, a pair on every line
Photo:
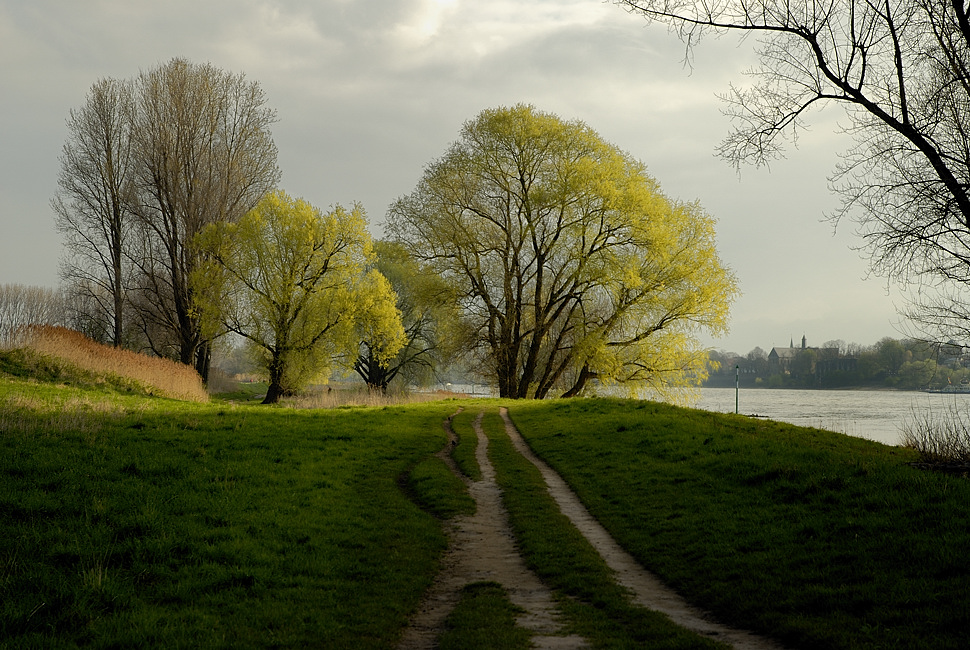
161, 376
359, 395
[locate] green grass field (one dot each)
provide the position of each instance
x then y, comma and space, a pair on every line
816, 538
135, 521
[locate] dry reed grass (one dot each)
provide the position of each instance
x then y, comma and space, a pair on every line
161, 376
329, 397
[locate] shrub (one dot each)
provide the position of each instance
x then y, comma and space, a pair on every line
337, 396
940, 436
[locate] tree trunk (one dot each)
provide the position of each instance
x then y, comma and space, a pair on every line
375, 375
119, 306
273, 393
275, 389
577, 388
203, 360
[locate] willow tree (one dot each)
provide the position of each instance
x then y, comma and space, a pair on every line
569, 262
432, 325
294, 283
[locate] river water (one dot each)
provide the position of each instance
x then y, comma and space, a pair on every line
876, 415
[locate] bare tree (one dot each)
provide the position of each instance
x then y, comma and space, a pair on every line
22, 305
92, 205
205, 155
901, 69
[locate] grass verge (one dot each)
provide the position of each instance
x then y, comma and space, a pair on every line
815, 538
435, 488
463, 452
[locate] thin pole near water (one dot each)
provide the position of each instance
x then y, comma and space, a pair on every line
737, 386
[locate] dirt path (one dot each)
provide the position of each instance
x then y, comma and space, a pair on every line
482, 547
647, 588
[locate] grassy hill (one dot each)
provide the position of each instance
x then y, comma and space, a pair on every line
138, 522
130, 520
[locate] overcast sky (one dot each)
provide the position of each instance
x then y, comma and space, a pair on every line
369, 92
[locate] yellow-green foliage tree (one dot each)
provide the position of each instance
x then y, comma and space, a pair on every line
569, 261
294, 283
432, 323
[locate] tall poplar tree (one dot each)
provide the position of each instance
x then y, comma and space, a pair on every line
204, 155
147, 165
93, 205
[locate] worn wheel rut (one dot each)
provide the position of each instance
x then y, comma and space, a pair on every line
648, 590
482, 548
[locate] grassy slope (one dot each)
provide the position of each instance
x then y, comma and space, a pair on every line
822, 540
140, 522
130, 521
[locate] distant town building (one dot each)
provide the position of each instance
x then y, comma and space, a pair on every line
822, 362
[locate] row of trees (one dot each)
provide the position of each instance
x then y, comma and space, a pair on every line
546, 256
148, 164
22, 305
565, 261
907, 364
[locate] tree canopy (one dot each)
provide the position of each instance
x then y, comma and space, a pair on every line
294, 283
430, 318
569, 262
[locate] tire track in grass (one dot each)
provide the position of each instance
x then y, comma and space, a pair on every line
482, 548
648, 590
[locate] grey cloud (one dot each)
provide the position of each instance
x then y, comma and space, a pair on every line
367, 94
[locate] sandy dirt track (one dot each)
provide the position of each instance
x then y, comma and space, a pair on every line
482, 548
648, 590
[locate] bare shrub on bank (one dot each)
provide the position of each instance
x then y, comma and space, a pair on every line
940, 436
168, 378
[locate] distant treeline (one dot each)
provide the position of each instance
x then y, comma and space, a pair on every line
905, 364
